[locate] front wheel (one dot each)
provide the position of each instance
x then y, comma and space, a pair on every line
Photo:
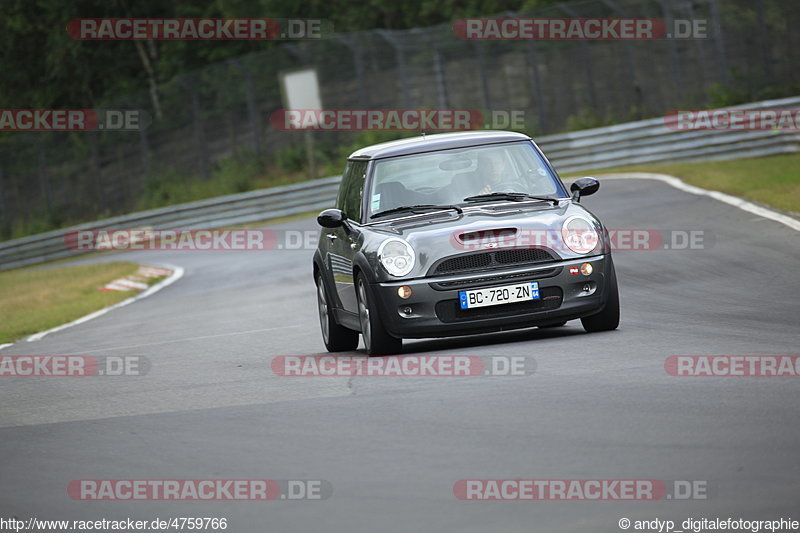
336, 338
377, 340
608, 318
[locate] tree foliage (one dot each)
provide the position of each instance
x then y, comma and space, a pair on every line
44, 67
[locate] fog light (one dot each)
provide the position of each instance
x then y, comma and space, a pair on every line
404, 292
586, 269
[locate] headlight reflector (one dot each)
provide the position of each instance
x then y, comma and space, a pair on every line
396, 256
579, 235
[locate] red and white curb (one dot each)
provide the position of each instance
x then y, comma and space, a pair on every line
137, 281
175, 273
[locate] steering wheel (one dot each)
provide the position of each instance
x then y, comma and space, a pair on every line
512, 186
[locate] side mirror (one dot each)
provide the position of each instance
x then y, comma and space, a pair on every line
331, 218
583, 187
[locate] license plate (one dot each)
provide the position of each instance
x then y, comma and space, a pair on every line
507, 294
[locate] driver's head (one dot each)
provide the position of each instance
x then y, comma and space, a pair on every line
491, 166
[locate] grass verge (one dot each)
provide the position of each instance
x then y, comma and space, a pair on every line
773, 180
33, 300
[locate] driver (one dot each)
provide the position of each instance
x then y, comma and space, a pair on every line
493, 169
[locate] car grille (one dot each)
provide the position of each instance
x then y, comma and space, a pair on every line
479, 261
450, 310
489, 280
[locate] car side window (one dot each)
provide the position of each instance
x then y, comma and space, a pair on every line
343, 186
353, 189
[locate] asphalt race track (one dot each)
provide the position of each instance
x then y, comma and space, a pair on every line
599, 406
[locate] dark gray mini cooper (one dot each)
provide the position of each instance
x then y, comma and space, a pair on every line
456, 234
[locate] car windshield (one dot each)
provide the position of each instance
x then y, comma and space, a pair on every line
449, 177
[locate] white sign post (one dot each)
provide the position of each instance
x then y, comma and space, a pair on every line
300, 90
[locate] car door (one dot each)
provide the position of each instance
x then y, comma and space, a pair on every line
341, 240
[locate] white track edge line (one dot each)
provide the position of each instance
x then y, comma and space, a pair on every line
735, 201
177, 273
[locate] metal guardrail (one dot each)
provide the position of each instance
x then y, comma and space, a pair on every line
651, 141
219, 212
645, 141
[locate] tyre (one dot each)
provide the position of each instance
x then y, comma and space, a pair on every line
377, 340
608, 318
336, 338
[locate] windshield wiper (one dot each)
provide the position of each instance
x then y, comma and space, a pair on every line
512, 196
418, 207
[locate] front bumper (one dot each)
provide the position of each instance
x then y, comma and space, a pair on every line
433, 309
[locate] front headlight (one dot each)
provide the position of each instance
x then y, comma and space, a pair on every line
579, 235
396, 256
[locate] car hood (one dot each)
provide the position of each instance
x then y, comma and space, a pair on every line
435, 236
